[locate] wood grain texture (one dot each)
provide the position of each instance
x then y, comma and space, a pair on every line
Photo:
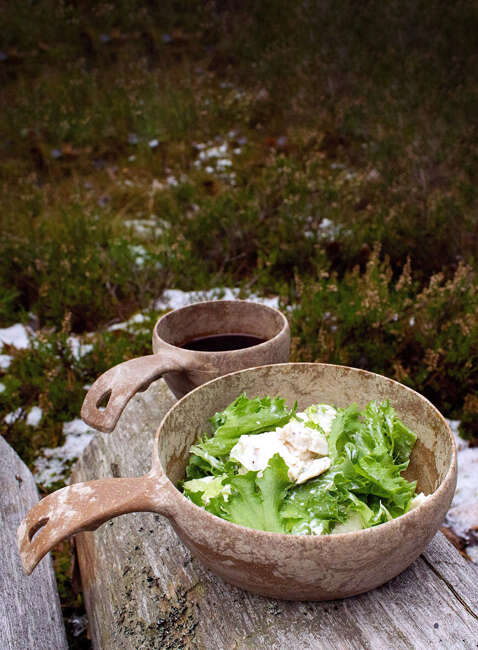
144, 590
30, 615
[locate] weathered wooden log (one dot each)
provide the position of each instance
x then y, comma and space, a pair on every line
144, 590
30, 614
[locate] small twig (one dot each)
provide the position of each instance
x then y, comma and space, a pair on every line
252, 281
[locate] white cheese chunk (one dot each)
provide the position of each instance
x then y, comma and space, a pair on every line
314, 468
254, 451
296, 443
303, 439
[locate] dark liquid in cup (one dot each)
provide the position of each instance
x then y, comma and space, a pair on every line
222, 342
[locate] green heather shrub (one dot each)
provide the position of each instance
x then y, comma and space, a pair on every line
44, 375
423, 336
469, 420
74, 264
261, 228
49, 375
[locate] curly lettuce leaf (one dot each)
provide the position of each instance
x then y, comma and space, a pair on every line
203, 490
384, 480
201, 463
257, 497
387, 431
244, 416
368, 450
312, 510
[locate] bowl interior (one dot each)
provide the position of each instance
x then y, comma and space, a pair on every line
308, 384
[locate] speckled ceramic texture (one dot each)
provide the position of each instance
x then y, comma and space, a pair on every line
282, 566
184, 369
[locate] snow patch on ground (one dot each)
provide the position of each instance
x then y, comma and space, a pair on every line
140, 254
16, 335
54, 463
175, 298
326, 229
137, 319
5, 361
462, 517
216, 156
78, 349
147, 228
34, 416
472, 552
467, 484
13, 416
20, 337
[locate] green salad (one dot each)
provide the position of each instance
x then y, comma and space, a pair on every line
325, 470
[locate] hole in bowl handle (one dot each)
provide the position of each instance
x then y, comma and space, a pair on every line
85, 506
119, 384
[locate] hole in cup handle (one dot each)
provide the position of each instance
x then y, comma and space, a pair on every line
86, 506
111, 392
102, 402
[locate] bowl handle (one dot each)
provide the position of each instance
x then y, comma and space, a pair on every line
120, 383
85, 506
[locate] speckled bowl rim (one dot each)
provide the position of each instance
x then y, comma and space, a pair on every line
314, 540
157, 337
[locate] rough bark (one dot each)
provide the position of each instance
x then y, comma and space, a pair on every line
30, 614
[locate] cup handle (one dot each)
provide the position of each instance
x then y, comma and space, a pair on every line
85, 506
120, 383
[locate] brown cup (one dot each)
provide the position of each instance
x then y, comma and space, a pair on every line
185, 369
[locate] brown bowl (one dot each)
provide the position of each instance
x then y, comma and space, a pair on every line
291, 567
